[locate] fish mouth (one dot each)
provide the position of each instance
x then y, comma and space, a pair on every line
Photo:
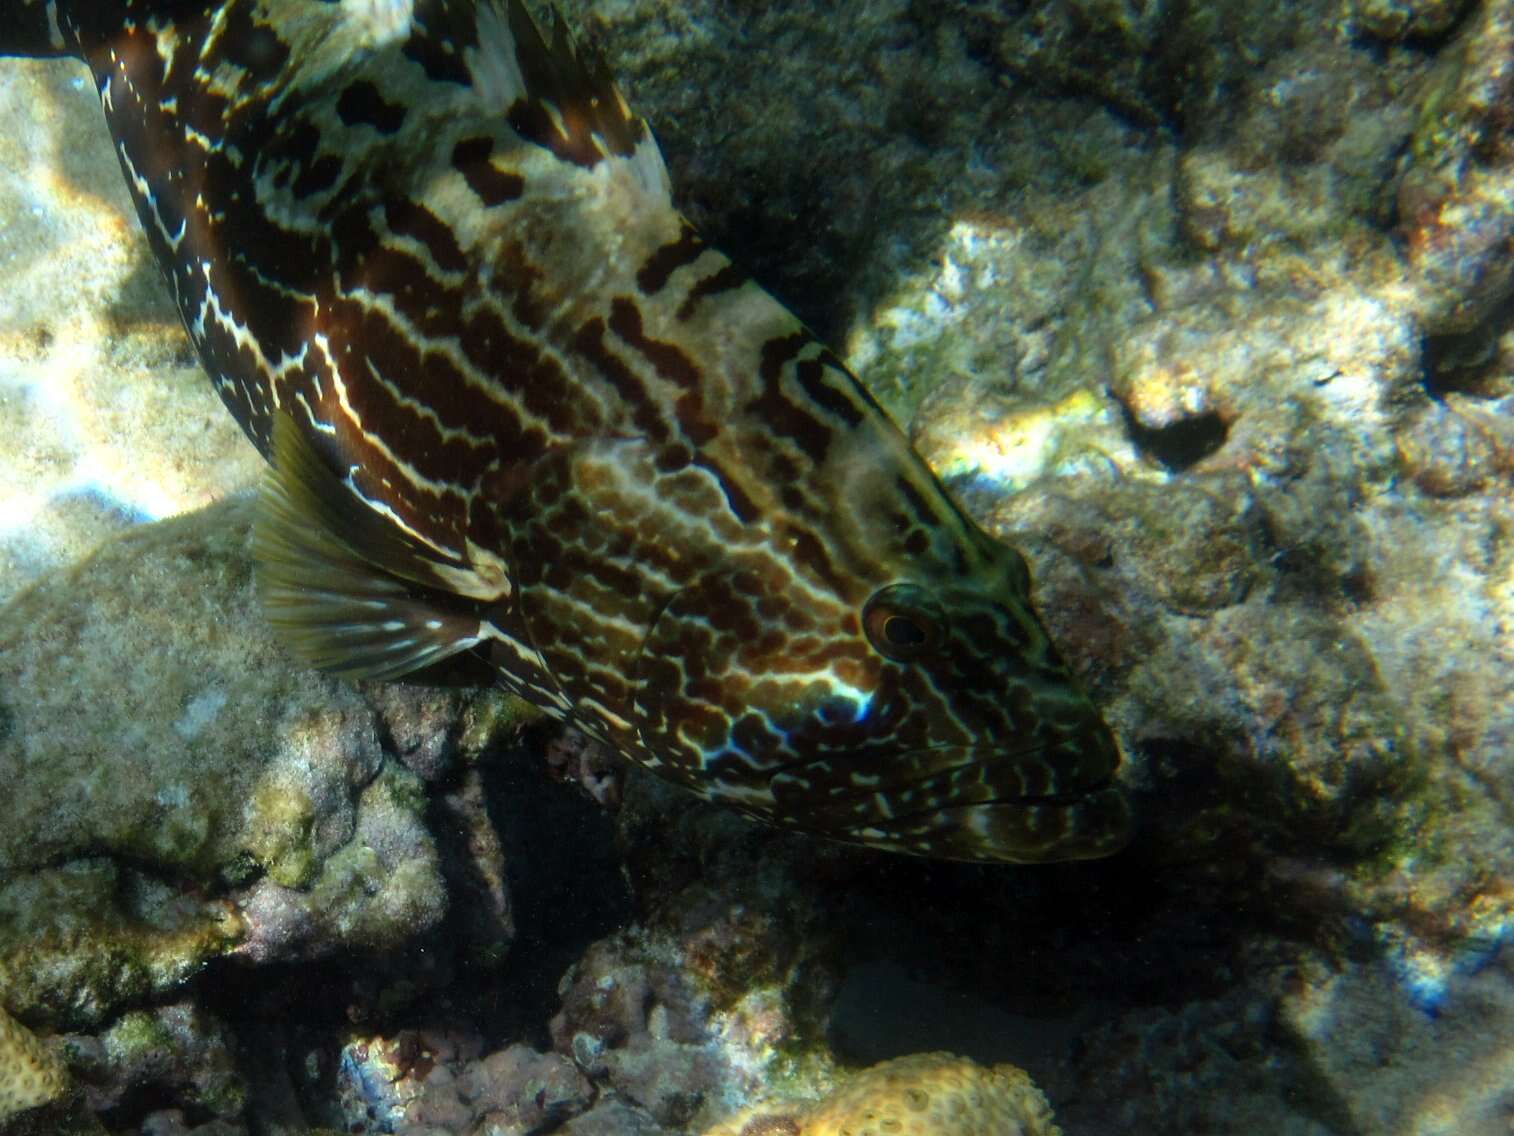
975, 803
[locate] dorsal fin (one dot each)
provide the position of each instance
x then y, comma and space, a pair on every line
343, 588
576, 82
558, 95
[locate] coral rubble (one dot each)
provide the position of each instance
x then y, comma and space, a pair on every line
929, 1094
177, 793
30, 1074
1206, 307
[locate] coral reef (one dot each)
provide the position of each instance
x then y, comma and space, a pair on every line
1206, 307
928, 1094
1302, 1045
634, 1019
177, 1052
30, 1074
1256, 445
422, 1082
179, 793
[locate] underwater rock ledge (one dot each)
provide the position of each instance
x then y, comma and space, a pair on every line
178, 792
1225, 346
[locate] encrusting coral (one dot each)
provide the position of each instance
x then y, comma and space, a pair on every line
925, 1094
29, 1075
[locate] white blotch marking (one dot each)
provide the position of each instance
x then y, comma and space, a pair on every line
493, 64
175, 796
380, 21
201, 710
54, 32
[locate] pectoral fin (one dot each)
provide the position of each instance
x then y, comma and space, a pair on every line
342, 586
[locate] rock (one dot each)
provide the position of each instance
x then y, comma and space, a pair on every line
643, 1029
613, 1118
525, 1091
106, 413
31, 1075
180, 790
1403, 19
171, 1122
1301, 1045
410, 1085
1456, 199
929, 1094
177, 1052
682, 1019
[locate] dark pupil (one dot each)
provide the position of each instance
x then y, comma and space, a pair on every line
901, 631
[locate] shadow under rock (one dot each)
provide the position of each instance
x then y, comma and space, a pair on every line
1471, 361
830, 190
1006, 963
566, 890
567, 887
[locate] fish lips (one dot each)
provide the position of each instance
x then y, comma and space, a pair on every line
973, 803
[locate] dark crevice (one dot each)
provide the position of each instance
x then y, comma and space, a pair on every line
1468, 362
1010, 964
1181, 444
1428, 43
140, 1101
1186, 770
566, 886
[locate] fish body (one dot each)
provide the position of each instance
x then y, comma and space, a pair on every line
518, 412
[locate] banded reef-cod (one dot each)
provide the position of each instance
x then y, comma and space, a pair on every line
515, 407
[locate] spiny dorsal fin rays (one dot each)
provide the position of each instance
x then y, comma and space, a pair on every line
339, 609
568, 102
576, 82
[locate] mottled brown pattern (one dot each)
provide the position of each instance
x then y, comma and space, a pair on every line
653, 276
518, 407
494, 187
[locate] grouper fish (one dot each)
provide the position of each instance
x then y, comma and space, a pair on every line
521, 418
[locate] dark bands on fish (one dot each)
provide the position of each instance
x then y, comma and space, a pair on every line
654, 275
726, 278
470, 157
362, 104
518, 411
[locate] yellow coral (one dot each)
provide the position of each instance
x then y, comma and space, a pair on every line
29, 1074
927, 1094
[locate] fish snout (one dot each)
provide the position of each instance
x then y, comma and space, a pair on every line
981, 803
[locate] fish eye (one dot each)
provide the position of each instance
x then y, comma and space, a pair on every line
902, 622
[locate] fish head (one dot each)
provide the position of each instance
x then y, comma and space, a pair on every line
915, 704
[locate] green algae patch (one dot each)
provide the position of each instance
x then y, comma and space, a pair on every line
280, 817
177, 790
371, 904
396, 788
179, 1046
137, 1036
492, 716
80, 940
